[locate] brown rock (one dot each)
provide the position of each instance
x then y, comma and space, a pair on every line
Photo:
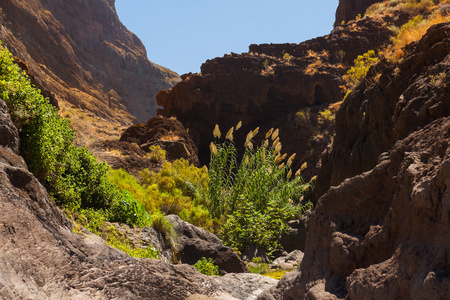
349, 9
168, 133
85, 56
267, 86
378, 113
194, 243
384, 234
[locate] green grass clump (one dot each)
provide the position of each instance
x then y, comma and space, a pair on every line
207, 267
257, 196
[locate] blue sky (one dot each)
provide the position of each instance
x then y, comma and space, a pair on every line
181, 35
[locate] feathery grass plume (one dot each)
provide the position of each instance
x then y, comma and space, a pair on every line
269, 133
277, 158
303, 167
255, 132
216, 132
253, 191
277, 149
302, 198
275, 134
313, 179
297, 173
249, 137
229, 135
276, 141
213, 148
291, 159
239, 125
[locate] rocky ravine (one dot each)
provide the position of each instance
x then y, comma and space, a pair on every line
268, 86
94, 67
385, 233
42, 258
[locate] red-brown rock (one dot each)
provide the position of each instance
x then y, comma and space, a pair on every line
349, 9
266, 87
385, 233
168, 133
83, 54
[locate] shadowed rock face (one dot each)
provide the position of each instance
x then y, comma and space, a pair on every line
349, 9
384, 233
268, 86
81, 52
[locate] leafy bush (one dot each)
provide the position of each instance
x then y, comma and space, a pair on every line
255, 196
70, 174
359, 69
127, 210
207, 267
156, 154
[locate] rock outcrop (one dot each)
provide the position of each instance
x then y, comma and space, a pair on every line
95, 68
193, 243
268, 86
167, 133
405, 97
348, 9
384, 233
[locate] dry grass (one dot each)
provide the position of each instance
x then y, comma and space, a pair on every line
170, 137
412, 32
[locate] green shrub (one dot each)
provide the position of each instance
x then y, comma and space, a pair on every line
207, 267
70, 174
156, 154
256, 196
127, 210
359, 69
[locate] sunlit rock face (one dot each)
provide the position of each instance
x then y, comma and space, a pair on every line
81, 52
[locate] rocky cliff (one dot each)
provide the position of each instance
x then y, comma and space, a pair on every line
349, 9
384, 233
94, 67
274, 85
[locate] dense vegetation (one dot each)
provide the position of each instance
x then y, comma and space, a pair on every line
256, 197
233, 203
72, 176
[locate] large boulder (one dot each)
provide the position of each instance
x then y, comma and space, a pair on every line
193, 243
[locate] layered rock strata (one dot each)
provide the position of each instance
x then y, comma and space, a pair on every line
95, 68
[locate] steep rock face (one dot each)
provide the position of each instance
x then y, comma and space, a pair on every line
384, 234
81, 52
266, 87
348, 9
381, 111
